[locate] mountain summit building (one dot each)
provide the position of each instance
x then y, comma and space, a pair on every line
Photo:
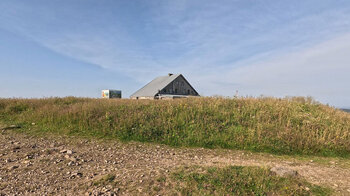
166, 87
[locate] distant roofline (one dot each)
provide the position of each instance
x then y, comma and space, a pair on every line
152, 92
169, 75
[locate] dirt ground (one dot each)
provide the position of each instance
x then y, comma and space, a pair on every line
56, 165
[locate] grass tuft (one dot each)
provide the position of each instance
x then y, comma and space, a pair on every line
105, 180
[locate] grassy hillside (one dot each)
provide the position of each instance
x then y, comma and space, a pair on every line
283, 126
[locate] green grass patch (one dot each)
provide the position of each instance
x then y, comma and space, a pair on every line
105, 180
237, 180
291, 126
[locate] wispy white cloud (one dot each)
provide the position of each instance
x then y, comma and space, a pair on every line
320, 71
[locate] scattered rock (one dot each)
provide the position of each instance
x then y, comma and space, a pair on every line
76, 174
12, 167
132, 167
16, 148
26, 161
66, 151
284, 172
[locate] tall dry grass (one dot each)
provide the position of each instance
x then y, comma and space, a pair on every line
285, 126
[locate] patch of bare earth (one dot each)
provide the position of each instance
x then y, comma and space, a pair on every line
55, 165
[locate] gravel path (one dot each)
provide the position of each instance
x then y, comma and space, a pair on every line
55, 165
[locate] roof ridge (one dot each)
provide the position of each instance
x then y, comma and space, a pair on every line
146, 85
161, 85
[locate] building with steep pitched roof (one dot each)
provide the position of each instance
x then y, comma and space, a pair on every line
165, 87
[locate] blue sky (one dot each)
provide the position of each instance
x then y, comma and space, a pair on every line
271, 47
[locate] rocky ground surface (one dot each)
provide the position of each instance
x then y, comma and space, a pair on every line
56, 165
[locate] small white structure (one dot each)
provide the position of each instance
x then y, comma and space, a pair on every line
112, 94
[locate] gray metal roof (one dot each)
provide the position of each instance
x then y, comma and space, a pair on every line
151, 89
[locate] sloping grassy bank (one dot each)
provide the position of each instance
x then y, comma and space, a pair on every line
283, 126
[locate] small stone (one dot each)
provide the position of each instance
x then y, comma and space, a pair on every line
307, 188
12, 167
284, 172
26, 161
77, 174
69, 152
109, 187
66, 151
16, 148
311, 161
